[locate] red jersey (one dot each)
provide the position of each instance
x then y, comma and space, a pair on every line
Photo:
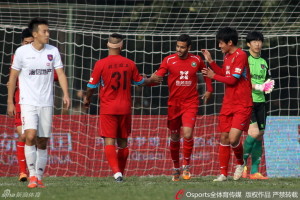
114, 75
182, 78
235, 73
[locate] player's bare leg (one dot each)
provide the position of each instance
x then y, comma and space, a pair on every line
30, 154
237, 147
112, 158
21, 154
174, 149
188, 144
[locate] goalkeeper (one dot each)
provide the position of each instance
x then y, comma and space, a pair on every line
261, 84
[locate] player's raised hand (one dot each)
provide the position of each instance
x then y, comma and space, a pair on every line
206, 55
11, 109
208, 73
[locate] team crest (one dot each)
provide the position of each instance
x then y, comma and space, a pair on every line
50, 57
194, 64
262, 66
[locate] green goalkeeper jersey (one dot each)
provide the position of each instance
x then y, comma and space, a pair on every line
259, 71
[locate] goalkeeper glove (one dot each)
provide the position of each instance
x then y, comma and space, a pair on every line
266, 87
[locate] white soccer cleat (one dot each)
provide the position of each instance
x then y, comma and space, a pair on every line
238, 172
220, 178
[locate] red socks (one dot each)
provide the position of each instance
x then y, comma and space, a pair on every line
238, 152
21, 156
188, 145
174, 148
224, 156
111, 156
122, 158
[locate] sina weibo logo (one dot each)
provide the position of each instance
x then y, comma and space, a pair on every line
179, 194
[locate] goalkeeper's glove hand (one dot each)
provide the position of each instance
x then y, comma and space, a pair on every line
266, 87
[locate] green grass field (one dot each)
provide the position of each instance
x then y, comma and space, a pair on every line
140, 188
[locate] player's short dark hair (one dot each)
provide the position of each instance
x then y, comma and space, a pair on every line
185, 38
226, 34
35, 22
254, 35
117, 35
26, 33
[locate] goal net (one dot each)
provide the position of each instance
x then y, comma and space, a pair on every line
80, 30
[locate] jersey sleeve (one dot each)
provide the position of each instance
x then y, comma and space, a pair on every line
163, 68
137, 79
218, 70
57, 63
208, 81
268, 74
17, 61
238, 66
95, 79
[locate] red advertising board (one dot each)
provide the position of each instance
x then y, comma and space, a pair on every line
75, 148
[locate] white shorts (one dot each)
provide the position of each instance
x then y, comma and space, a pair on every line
38, 118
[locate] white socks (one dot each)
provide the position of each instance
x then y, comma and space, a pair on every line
41, 161
116, 175
36, 161
30, 154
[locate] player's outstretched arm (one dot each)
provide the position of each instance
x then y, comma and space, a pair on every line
211, 62
11, 87
153, 80
87, 98
64, 86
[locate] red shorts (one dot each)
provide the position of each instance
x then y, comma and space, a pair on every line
234, 117
115, 126
18, 121
182, 116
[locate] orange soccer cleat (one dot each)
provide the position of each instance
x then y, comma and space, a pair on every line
258, 176
32, 182
22, 177
40, 184
245, 172
186, 174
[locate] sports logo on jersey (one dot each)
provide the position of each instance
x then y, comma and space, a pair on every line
237, 70
50, 57
263, 66
194, 64
184, 75
91, 80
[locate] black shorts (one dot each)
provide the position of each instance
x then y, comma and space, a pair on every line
259, 115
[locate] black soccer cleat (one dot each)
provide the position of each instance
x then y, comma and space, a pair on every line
119, 179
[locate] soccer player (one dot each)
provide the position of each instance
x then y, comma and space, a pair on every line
26, 39
261, 84
183, 101
237, 104
114, 75
34, 65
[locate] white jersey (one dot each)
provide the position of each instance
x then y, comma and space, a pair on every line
36, 73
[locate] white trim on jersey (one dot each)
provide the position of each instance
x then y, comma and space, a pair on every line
170, 58
196, 57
